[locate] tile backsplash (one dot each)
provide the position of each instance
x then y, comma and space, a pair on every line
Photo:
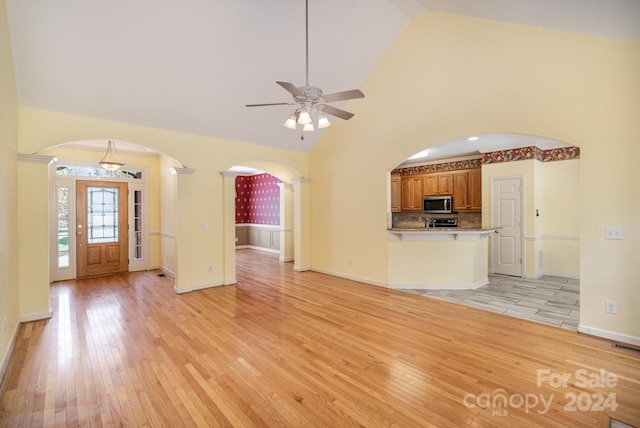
413, 219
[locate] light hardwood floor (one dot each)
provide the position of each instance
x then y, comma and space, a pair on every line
285, 348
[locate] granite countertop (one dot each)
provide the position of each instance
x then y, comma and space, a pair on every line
439, 233
439, 229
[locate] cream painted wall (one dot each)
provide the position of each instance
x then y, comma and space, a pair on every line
33, 254
9, 292
448, 76
199, 195
560, 215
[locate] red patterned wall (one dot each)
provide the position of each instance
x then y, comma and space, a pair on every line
258, 199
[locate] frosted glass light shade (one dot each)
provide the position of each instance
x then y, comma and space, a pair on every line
304, 118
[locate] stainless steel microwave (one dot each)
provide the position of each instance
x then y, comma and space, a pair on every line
437, 204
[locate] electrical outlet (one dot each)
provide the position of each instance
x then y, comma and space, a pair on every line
610, 307
203, 224
349, 262
210, 268
612, 233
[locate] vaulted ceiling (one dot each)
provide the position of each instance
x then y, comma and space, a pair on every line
192, 66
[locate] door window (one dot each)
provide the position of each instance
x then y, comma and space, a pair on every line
102, 215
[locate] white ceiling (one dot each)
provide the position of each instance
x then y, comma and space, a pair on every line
192, 66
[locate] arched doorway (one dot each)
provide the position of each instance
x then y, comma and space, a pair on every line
81, 221
290, 235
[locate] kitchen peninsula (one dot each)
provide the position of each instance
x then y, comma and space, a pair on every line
438, 247
438, 258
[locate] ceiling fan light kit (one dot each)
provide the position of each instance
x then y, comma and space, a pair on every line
309, 100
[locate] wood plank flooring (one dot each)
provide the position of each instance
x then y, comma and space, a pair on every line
285, 348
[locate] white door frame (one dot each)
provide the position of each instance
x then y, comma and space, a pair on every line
494, 220
69, 181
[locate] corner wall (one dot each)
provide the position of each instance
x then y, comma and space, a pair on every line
9, 292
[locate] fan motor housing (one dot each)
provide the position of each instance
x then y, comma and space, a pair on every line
311, 94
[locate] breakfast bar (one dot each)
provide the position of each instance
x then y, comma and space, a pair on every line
438, 258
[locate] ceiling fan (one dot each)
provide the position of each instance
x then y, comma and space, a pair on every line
309, 100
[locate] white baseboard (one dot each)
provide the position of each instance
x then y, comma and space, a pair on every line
168, 272
562, 274
287, 260
254, 247
36, 317
473, 286
536, 275
305, 268
179, 290
7, 355
351, 277
617, 337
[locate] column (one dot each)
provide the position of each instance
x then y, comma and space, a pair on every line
301, 224
229, 233
286, 222
34, 236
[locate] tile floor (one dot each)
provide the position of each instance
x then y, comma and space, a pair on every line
549, 299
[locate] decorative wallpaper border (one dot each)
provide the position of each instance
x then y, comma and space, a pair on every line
523, 153
528, 153
437, 167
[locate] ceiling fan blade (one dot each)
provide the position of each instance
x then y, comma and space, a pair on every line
269, 104
291, 88
341, 96
337, 112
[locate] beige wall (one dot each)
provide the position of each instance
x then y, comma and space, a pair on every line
448, 76
9, 293
560, 215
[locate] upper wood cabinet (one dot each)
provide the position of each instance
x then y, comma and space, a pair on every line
435, 184
467, 190
396, 194
412, 195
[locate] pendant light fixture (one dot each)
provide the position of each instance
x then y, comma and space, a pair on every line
111, 160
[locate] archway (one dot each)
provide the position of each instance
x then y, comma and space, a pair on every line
150, 235
291, 234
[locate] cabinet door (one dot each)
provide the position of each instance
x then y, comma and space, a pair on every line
460, 186
417, 193
435, 184
430, 184
475, 190
396, 192
445, 184
411, 193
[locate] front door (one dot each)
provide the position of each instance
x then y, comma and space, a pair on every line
507, 216
101, 228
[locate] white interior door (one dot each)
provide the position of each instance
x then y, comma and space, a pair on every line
506, 194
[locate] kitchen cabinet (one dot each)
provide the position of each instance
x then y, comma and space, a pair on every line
467, 190
396, 194
435, 184
411, 188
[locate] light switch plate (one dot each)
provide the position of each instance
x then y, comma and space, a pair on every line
612, 233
